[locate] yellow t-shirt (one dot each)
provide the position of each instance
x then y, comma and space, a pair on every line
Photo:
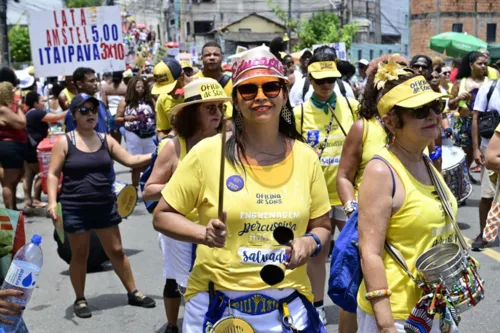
420, 224
257, 201
492, 73
164, 104
374, 139
228, 89
313, 127
69, 95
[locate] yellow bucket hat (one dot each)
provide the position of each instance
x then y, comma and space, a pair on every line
202, 90
323, 69
410, 94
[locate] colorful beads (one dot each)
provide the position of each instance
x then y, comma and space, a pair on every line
378, 293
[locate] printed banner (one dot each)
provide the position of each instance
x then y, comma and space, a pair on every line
65, 39
339, 47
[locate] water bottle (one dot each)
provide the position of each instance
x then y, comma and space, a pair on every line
23, 275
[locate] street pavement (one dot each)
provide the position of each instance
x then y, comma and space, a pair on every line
51, 307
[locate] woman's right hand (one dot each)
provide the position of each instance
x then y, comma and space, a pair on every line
51, 210
9, 308
215, 232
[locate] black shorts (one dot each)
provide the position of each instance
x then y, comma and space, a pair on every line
31, 155
13, 154
76, 220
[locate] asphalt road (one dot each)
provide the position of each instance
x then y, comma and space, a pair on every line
50, 310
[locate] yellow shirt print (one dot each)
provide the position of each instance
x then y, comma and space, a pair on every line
257, 200
313, 123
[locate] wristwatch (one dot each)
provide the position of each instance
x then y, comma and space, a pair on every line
318, 244
350, 206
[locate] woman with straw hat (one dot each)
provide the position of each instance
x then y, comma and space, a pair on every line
199, 117
398, 204
271, 178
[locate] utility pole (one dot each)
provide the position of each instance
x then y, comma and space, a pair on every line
288, 30
4, 31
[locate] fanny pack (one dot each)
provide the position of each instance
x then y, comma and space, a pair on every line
144, 134
259, 304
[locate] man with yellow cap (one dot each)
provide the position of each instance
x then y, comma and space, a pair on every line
169, 77
324, 121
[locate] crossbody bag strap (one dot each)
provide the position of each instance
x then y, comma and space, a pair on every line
328, 130
446, 204
332, 111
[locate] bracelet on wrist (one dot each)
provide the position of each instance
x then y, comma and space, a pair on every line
318, 244
378, 293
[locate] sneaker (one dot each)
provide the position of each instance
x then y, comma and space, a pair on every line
479, 244
81, 308
139, 299
172, 329
322, 314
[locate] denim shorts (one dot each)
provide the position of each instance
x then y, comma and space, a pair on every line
76, 220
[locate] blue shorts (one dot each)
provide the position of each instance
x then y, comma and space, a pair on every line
76, 220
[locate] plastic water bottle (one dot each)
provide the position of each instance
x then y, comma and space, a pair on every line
23, 275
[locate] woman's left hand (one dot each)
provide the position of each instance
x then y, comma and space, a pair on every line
301, 250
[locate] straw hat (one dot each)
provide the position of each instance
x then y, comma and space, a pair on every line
202, 90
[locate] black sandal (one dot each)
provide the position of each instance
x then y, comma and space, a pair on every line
81, 308
136, 298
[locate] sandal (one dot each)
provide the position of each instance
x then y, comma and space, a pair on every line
81, 308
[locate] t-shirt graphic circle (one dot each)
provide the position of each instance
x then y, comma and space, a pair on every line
235, 183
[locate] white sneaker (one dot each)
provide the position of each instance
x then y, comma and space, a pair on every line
322, 314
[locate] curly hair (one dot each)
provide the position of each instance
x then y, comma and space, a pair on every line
132, 99
6, 94
371, 95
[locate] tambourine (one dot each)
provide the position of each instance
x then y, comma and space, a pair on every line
230, 325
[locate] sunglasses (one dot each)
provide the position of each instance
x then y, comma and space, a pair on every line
270, 89
423, 112
329, 80
85, 111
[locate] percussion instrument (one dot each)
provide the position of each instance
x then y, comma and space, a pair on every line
446, 267
273, 274
456, 173
126, 198
231, 324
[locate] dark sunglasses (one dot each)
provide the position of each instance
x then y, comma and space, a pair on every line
418, 66
250, 91
85, 111
423, 112
329, 80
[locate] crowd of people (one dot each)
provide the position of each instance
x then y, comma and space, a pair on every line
226, 159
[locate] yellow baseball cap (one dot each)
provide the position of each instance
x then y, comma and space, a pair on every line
410, 94
166, 73
186, 64
201, 90
323, 69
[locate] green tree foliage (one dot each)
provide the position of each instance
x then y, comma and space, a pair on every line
83, 3
19, 44
324, 27
282, 15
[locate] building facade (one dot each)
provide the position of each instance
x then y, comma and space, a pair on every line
428, 18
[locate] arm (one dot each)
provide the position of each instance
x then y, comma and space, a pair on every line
120, 114
124, 157
162, 171
63, 101
16, 120
350, 161
493, 153
453, 101
59, 152
104, 98
375, 210
54, 117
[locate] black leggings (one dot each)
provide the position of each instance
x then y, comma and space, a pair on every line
171, 289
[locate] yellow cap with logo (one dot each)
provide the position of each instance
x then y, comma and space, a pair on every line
323, 70
410, 94
202, 90
166, 73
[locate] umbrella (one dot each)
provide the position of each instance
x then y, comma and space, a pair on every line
456, 44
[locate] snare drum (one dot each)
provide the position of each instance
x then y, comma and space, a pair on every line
126, 198
447, 265
456, 173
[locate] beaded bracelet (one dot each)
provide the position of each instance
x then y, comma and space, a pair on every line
378, 293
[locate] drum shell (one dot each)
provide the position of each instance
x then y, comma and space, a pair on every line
126, 198
442, 263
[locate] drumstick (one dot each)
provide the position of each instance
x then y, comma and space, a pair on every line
221, 175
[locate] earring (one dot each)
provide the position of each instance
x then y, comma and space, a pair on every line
286, 114
390, 140
238, 120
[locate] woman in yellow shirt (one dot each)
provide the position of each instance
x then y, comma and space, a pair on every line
271, 179
199, 117
397, 201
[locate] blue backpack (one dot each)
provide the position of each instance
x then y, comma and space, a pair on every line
345, 270
150, 206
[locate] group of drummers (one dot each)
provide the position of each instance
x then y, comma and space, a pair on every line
240, 168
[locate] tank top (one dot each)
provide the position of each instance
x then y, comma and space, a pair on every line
86, 181
145, 125
374, 136
463, 89
420, 224
113, 102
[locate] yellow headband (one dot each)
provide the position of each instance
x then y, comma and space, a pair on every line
410, 94
323, 69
